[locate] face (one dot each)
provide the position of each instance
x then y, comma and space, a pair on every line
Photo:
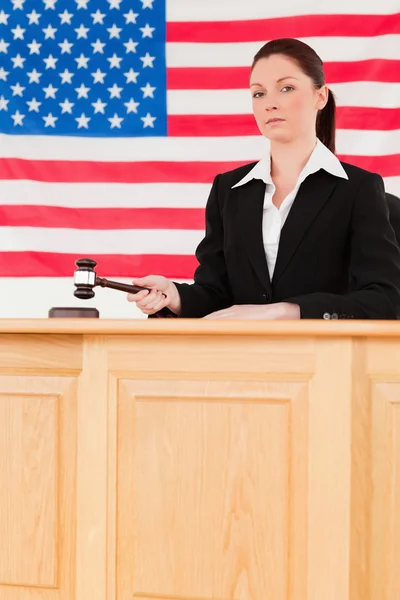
285, 103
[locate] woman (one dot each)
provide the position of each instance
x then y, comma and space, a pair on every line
298, 234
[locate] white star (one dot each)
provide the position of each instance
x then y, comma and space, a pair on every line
131, 76
66, 47
116, 121
131, 17
50, 4
81, 32
33, 105
99, 106
148, 91
82, 4
98, 76
98, 47
131, 106
3, 103
147, 4
17, 118
82, 62
3, 74
49, 32
18, 32
18, 61
17, 89
50, 121
83, 121
98, 17
147, 60
34, 76
82, 91
66, 77
50, 91
66, 17
4, 46
66, 106
114, 31
114, 3
115, 91
34, 18
147, 31
18, 4
50, 62
114, 61
148, 120
3, 18
130, 46
34, 47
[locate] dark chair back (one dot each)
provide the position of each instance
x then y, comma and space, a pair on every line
394, 213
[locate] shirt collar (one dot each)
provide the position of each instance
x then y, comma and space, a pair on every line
321, 158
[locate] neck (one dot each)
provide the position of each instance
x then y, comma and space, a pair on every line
288, 160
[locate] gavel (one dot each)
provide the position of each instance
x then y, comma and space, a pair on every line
85, 279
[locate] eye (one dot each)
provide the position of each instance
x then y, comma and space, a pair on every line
287, 87
257, 94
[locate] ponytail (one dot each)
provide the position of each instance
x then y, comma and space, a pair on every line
326, 123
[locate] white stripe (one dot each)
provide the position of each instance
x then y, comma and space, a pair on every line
237, 10
32, 297
392, 185
367, 143
132, 149
241, 54
100, 195
238, 102
244, 148
87, 242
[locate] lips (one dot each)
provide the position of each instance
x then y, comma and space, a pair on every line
274, 120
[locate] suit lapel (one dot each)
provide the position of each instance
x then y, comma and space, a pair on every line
311, 197
250, 203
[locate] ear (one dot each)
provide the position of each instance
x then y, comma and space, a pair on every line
322, 97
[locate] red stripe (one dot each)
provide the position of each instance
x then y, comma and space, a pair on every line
154, 172
138, 172
297, 27
101, 218
47, 264
237, 78
348, 117
386, 166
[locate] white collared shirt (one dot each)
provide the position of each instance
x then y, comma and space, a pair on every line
274, 218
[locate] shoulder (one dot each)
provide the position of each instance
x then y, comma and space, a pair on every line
357, 175
227, 179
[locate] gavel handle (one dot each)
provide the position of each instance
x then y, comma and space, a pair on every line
122, 287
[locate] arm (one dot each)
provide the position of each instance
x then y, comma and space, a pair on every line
210, 291
374, 264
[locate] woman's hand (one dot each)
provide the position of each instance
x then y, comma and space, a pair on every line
280, 310
151, 302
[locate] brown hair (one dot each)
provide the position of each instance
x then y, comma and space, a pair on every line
311, 65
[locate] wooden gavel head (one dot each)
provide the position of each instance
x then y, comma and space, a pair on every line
85, 278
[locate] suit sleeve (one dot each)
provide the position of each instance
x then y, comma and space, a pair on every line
374, 264
211, 290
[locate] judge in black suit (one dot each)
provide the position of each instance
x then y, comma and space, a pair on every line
298, 234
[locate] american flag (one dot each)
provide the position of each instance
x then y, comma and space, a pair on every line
115, 116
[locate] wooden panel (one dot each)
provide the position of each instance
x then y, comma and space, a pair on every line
385, 500
58, 353
211, 354
211, 489
28, 469
37, 487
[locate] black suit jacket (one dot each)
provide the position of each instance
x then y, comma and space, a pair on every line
337, 256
